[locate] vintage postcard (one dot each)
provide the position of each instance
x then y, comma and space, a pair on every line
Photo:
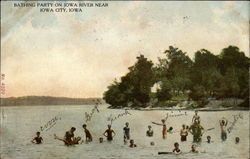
124, 80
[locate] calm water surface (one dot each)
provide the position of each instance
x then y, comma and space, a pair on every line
19, 125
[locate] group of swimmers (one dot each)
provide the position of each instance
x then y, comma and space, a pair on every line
195, 129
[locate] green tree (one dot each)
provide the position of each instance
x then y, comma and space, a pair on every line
114, 96
233, 57
135, 87
178, 67
198, 93
205, 71
164, 92
235, 65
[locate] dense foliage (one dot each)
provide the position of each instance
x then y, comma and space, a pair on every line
206, 76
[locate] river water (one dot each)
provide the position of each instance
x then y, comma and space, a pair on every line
20, 124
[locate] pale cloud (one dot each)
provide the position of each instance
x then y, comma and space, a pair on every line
79, 55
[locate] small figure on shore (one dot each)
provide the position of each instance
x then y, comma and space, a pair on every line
150, 132
87, 133
109, 133
176, 149
193, 149
100, 140
126, 132
209, 139
196, 117
223, 125
197, 131
38, 139
237, 140
184, 133
132, 144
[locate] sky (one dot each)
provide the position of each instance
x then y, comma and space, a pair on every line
79, 54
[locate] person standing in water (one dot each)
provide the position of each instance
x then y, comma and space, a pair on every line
88, 136
183, 133
196, 117
38, 139
149, 132
164, 129
197, 131
126, 132
109, 133
223, 124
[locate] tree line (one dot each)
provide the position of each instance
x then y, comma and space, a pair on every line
206, 76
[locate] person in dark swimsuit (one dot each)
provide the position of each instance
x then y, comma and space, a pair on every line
109, 133
38, 139
69, 136
150, 132
184, 133
87, 133
176, 148
126, 131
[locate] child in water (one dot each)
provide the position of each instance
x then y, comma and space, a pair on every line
164, 129
109, 133
209, 139
176, 149
184, 133
87, 133
196, 117
237, 140
193, 149
100, 140
126, 132
132, 144
38, 139
150, 132
223, 125
170, 130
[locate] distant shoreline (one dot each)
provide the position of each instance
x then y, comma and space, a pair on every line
47, 101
